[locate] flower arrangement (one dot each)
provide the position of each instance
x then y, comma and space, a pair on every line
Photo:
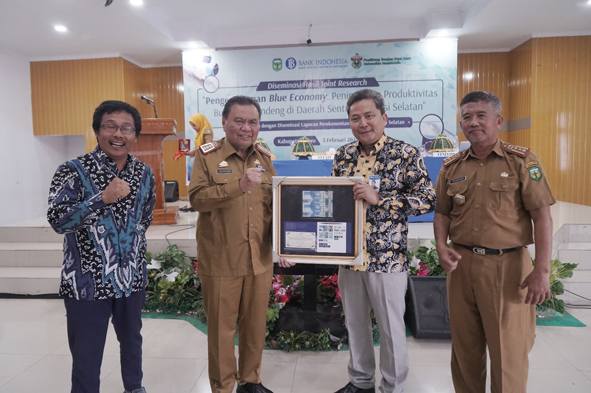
174, 287
328, 289
425, 262
173, 283
290, 341
286, 288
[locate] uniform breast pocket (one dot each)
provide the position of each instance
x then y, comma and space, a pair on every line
266, 189
221, 179
504, 196
457, 193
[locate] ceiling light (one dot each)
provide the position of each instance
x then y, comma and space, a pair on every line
60, 28
137, 3
468, 76
192, 45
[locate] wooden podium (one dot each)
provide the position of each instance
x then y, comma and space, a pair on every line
148, 149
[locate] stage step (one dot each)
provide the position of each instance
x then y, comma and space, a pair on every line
32, 234
189, 246
18, 254
30, 280
31, 255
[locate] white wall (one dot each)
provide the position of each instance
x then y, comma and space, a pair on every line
27, 163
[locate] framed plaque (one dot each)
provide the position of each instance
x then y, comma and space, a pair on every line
317, 220
184, 145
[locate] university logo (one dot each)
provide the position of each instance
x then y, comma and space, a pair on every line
277, 64
356, 61
291, 63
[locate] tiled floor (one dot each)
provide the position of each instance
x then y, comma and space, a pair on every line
34, 357
34, 354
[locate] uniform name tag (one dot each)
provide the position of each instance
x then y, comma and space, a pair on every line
459, 179
224, 171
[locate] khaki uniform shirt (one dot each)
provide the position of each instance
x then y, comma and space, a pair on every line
488, 201
233, 228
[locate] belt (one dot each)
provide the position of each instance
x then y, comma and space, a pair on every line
489, 251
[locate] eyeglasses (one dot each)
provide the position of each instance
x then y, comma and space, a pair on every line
112, 128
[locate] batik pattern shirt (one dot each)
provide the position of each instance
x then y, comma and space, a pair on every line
104, 244
405, 190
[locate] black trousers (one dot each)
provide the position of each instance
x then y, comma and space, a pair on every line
88, 322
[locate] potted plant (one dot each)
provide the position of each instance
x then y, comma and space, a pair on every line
427, 314
558, 271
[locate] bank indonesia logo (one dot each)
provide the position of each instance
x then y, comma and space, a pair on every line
356, 61
277, 64
291, 63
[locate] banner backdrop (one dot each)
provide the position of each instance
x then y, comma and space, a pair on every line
303, 91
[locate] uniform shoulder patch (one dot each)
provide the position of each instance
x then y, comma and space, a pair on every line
263, 150
517, 150
450, 160
209, 147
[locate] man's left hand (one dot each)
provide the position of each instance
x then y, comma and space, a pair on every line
285, 263
362, 190
538, 287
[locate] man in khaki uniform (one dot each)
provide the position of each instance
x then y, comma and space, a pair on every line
232, 191
487, 197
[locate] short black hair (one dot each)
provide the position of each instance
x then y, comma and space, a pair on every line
240, 100
365, 94
483, 96
112, 106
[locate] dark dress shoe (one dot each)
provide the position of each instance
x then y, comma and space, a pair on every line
350, 388
252, 388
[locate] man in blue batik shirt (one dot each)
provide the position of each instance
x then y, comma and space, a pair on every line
404, 189
103, 203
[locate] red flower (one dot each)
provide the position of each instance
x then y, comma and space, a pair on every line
281, 299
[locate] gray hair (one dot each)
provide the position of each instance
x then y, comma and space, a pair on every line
483, 96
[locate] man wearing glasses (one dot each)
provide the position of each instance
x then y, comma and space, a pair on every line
103, 203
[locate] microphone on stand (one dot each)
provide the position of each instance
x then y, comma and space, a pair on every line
150, 101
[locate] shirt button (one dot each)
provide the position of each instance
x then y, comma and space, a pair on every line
504, 186
481, 164
477, 206
225, 179
251, 240
249, 192
250, 208
478, 184
251, 225
475, 229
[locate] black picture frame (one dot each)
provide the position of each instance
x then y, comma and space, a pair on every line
317, 220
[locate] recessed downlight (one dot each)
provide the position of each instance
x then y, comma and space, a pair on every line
60, 28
